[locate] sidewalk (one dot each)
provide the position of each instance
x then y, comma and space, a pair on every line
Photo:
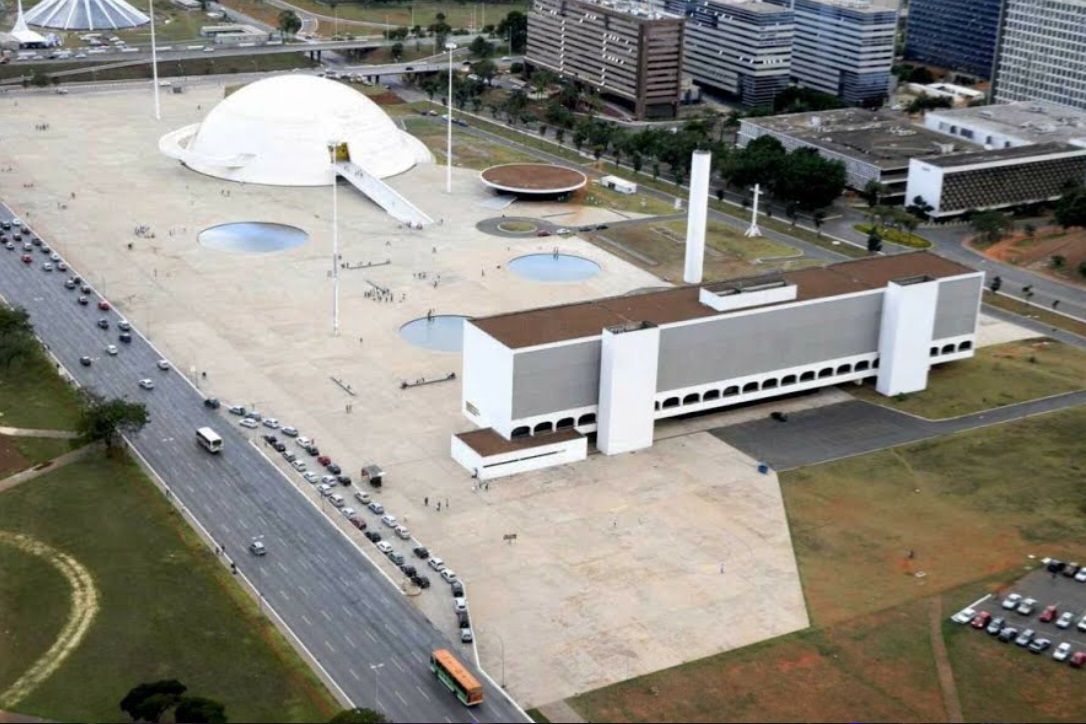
47, 467
26, 432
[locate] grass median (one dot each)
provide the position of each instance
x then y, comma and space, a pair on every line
168, 609
32, 395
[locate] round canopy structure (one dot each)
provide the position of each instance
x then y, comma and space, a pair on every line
533, 180
85, 15
276, 132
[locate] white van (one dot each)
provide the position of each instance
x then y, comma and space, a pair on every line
337, 500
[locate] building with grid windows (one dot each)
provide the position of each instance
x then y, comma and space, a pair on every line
740, 47
995, 179
1042, 52
957, 35
844, 47
537, 382
627, 54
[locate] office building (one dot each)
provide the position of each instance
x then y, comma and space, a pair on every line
538, 381
844, 47
628, 54
959, 35
1042, 52
1011, 124
742, 48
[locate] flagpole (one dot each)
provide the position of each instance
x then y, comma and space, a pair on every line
154, 64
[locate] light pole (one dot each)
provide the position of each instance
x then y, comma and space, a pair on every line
154, 64
376, 698
333, 152
500, 639
448, 122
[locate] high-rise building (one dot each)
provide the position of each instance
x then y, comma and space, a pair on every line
844, 47
740, 47
1042, 52
957, 35
629, 53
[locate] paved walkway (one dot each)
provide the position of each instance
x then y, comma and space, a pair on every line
847, 429
47, 467
26, 432
942, 663
561, 711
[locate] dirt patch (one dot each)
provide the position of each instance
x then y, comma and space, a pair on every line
386, 99
1035, 252
11, 460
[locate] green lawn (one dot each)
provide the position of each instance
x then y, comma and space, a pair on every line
33, 450
33, 396
728, 240
469, 151
1041, 315
168, 609
996, 376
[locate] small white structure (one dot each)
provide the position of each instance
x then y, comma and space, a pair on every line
958, 94
619, 184
696, 216
276, 132
233, 34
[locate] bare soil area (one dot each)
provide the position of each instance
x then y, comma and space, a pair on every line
1038, 252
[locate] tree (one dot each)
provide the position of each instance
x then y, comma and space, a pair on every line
431, 84
873, 192
397, 51
198, 710
756, 163
102, 420
920, 208
514, 26
819, 218
1030, 231
148, 702
480, 48
16, 335
486, 70
924, 102
991, 226
995, 284
560, 134
289, 22
358, 716
1071, 208
874, 241
807, 179
801, 100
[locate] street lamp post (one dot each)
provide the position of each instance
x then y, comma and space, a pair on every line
500, 639
376, 697
154, 64
333, 147
448, 123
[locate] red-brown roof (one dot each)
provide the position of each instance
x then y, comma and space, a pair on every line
486, 442
547, 325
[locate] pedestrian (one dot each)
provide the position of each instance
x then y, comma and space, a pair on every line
446, 502
614, 523
721, 567
346, 408
439, 506
218, 552
426, 501
487, 486
360, 340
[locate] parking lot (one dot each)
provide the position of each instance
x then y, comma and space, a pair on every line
1047, 589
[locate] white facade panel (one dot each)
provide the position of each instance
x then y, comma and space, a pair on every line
908, 321
700, 169
487, 389
925, 181
627, 387
537, 458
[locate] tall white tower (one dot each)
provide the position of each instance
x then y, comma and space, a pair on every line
698, 210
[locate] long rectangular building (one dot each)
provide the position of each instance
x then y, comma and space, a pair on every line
614, 366
628, 54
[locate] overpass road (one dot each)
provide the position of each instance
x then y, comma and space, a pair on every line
348, 615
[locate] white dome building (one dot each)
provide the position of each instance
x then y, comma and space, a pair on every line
276, 132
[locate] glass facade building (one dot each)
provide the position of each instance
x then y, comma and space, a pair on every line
959, 35
1042, 52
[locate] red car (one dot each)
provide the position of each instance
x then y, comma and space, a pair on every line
981, 620
358, 523
103, 305
1049, 614
27, 259
324, 460
544, 233
1078, 659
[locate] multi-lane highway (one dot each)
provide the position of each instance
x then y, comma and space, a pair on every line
366, 635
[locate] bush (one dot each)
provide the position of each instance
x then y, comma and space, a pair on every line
896, 236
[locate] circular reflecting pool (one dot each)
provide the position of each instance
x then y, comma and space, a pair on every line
554, 267
442, 332
252, 237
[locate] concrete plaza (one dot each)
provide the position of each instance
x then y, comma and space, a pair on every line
622, 565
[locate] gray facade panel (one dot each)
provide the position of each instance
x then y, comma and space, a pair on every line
730, 347
956, 307
558, 378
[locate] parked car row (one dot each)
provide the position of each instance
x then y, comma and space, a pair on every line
1029, 636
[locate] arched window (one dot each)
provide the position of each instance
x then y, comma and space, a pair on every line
671, 402
948, 349
770, 383
862, 365
750, 387
965, 346
731, 390
711, 395
825, 372
788, 380
807, 376
589, 418
566, 423
844, 369
522, 431
543, 427
692, 399
934, 352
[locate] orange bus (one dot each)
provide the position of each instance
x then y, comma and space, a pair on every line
459, 680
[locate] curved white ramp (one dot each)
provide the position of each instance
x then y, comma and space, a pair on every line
382, 194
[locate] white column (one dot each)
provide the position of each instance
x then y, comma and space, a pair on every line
908, 323
448, 123
753, 230
333, 148
696, 214
628, 364
154, 64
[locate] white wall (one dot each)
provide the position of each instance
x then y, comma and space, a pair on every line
628, 363
537, 458
487, 380
908, 320
924, 180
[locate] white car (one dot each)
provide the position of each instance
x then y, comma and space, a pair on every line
376, 507
460, 603
337, 500
54, 256
147, 384
964, 616
249, 423
1081, 625
289, 431
1081, 575
329, 480
349, 512
271, 422
448, 575
362, 497
384, 546
298, 465
1011, 602
303, 442
389, 520
112, 349
47, 266
163, 364
1065, 620
324, 490
402, 532
310, 476
1062, 652
436, 563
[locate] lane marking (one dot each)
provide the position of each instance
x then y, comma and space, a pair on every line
329, 646
352, 673
370, 634
326, 616
400, 696
419, 689
398, 664
284, 594
307, 621
348, 639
